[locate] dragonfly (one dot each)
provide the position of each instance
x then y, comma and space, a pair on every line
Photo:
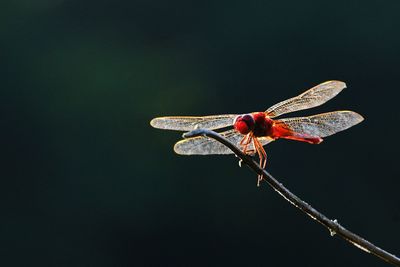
252, 131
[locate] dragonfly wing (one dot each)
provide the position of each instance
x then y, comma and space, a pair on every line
313, 97
321, 125
205, 146
191, 123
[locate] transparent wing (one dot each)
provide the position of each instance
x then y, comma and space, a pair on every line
322, 125
313, 97
187, 123
206, 146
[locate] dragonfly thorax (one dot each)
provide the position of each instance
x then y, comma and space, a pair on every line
263, 125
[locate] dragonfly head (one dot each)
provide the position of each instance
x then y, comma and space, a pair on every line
244, 123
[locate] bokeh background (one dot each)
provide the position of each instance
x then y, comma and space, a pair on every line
85, 180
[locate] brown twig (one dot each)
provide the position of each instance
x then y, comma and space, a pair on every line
332, 225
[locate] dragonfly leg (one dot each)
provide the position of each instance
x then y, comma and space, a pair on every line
262, 156
243, 140
244, 143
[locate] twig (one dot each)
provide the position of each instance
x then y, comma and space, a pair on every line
332, 225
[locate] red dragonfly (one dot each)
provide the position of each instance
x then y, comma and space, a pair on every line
254, 130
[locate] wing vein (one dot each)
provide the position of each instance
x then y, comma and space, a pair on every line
322, 125
188, 123
313, 97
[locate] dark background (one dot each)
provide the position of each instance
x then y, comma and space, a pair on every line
85, 181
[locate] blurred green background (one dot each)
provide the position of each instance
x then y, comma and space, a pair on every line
87, 182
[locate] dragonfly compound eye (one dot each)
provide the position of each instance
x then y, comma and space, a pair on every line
244, 124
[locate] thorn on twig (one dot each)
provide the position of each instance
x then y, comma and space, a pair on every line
240, 163
332, 231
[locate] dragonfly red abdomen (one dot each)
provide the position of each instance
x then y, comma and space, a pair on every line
280, 131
